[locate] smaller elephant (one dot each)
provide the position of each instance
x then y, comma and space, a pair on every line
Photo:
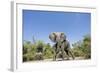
61, 45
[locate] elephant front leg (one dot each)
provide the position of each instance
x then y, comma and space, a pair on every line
62, 54
55, 55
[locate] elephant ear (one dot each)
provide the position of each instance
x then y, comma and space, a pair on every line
52, 37
63, 37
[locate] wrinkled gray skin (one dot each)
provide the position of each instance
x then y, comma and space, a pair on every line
61, 45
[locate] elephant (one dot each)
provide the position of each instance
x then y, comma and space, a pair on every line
61, 45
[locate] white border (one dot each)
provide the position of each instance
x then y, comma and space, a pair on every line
17, 37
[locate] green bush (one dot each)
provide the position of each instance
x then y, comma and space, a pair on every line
32, 51
83, 48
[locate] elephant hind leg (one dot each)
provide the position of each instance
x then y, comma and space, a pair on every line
71, 54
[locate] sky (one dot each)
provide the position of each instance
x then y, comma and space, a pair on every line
41, 23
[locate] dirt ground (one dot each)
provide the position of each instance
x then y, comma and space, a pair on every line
58, 59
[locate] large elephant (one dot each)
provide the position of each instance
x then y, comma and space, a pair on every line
61, 45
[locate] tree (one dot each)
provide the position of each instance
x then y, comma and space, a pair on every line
87, 46
27, 51
83, 47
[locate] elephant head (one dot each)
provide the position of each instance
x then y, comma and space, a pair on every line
57, 37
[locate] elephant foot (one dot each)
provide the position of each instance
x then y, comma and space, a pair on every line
73, 58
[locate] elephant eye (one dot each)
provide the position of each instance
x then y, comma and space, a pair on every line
63, 36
